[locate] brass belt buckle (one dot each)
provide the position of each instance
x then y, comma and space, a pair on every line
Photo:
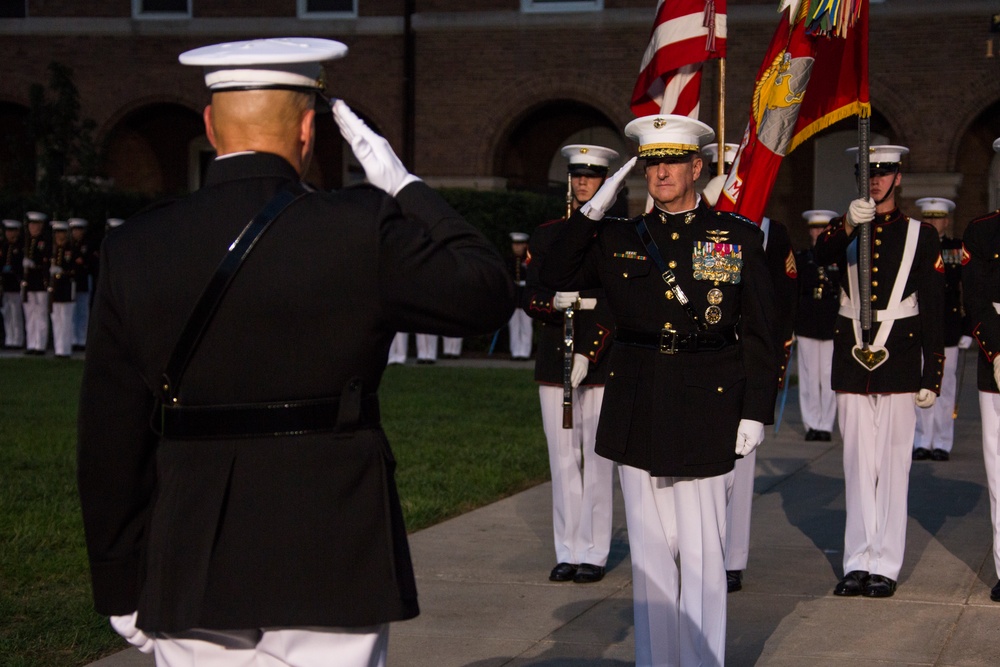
668, 341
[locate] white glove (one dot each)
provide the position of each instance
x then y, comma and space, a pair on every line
125, 626
861, 212
28, 263
55, 270
965, 342
996, 369
581, 365
605, 196
383, 169
713, 189
563, 300
749, 434
925, 398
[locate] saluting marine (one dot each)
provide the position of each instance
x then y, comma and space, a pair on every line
815, 317
981, 278
582, 481
877, 387
693, 378
11, 274
35, 284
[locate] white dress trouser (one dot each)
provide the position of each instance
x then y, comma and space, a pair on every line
817, 400
451, 346
877, 431
582, 481
935, 425
738, 506
81, 318
675, 532
13, 319
62, 328
989, 408
397, 351
36, 320
520, 334
291, 647
427, 347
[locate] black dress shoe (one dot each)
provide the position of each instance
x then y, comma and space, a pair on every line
588, 574
921, 454
995, 592
734, 580
563, 572
823, 436
853, 583
940, 455
812, 434
879, 587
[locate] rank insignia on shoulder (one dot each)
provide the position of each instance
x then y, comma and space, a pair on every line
719, 262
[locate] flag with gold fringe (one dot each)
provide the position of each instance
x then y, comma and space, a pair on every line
814, 74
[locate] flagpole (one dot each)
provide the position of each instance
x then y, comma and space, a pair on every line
722, 117
864, 234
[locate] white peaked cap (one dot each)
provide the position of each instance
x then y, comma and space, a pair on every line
886, 154
711, 151
935, 207
819, 217
280, 62
585, 156
668, 134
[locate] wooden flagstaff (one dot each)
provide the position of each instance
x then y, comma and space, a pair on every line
721, 135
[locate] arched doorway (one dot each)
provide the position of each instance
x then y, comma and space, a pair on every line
979, 166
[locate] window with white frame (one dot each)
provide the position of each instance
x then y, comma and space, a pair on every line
327, 9
161, 9
561, 5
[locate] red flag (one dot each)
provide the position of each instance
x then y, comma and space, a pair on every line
685, 34
808, 81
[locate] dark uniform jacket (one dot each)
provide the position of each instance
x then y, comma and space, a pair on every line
677, 414
981, 279
592, 328
915, 344
84, 259
784, 277
38, 250
819, 297
954, 257
265, 531
61, 286
12, 269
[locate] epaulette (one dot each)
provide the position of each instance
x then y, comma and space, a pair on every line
735, 216
156, 205
985, 216
613, 218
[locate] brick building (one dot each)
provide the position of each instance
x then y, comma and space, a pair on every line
482, 94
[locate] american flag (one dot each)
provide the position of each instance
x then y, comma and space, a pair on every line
685, 34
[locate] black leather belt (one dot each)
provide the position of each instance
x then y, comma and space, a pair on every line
668, 341
184, 422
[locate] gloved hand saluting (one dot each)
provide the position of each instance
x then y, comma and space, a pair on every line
925, 398
563, 300
861, 212
384, 170
749, 434
606, 195
125, 626
581, 365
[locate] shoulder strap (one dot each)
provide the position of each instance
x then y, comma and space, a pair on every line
668, 276
211, 297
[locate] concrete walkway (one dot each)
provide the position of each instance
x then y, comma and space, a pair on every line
487, 602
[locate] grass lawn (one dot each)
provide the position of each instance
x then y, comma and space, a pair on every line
463, 437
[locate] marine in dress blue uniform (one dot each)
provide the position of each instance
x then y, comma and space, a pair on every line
582, 481
35, 283
519, 328
62, 288
11, 273
692, 378
935, 432
256, 518
981, 278
876, 391
84, 262
815, 317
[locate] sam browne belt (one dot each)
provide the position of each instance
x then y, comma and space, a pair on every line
668, 341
